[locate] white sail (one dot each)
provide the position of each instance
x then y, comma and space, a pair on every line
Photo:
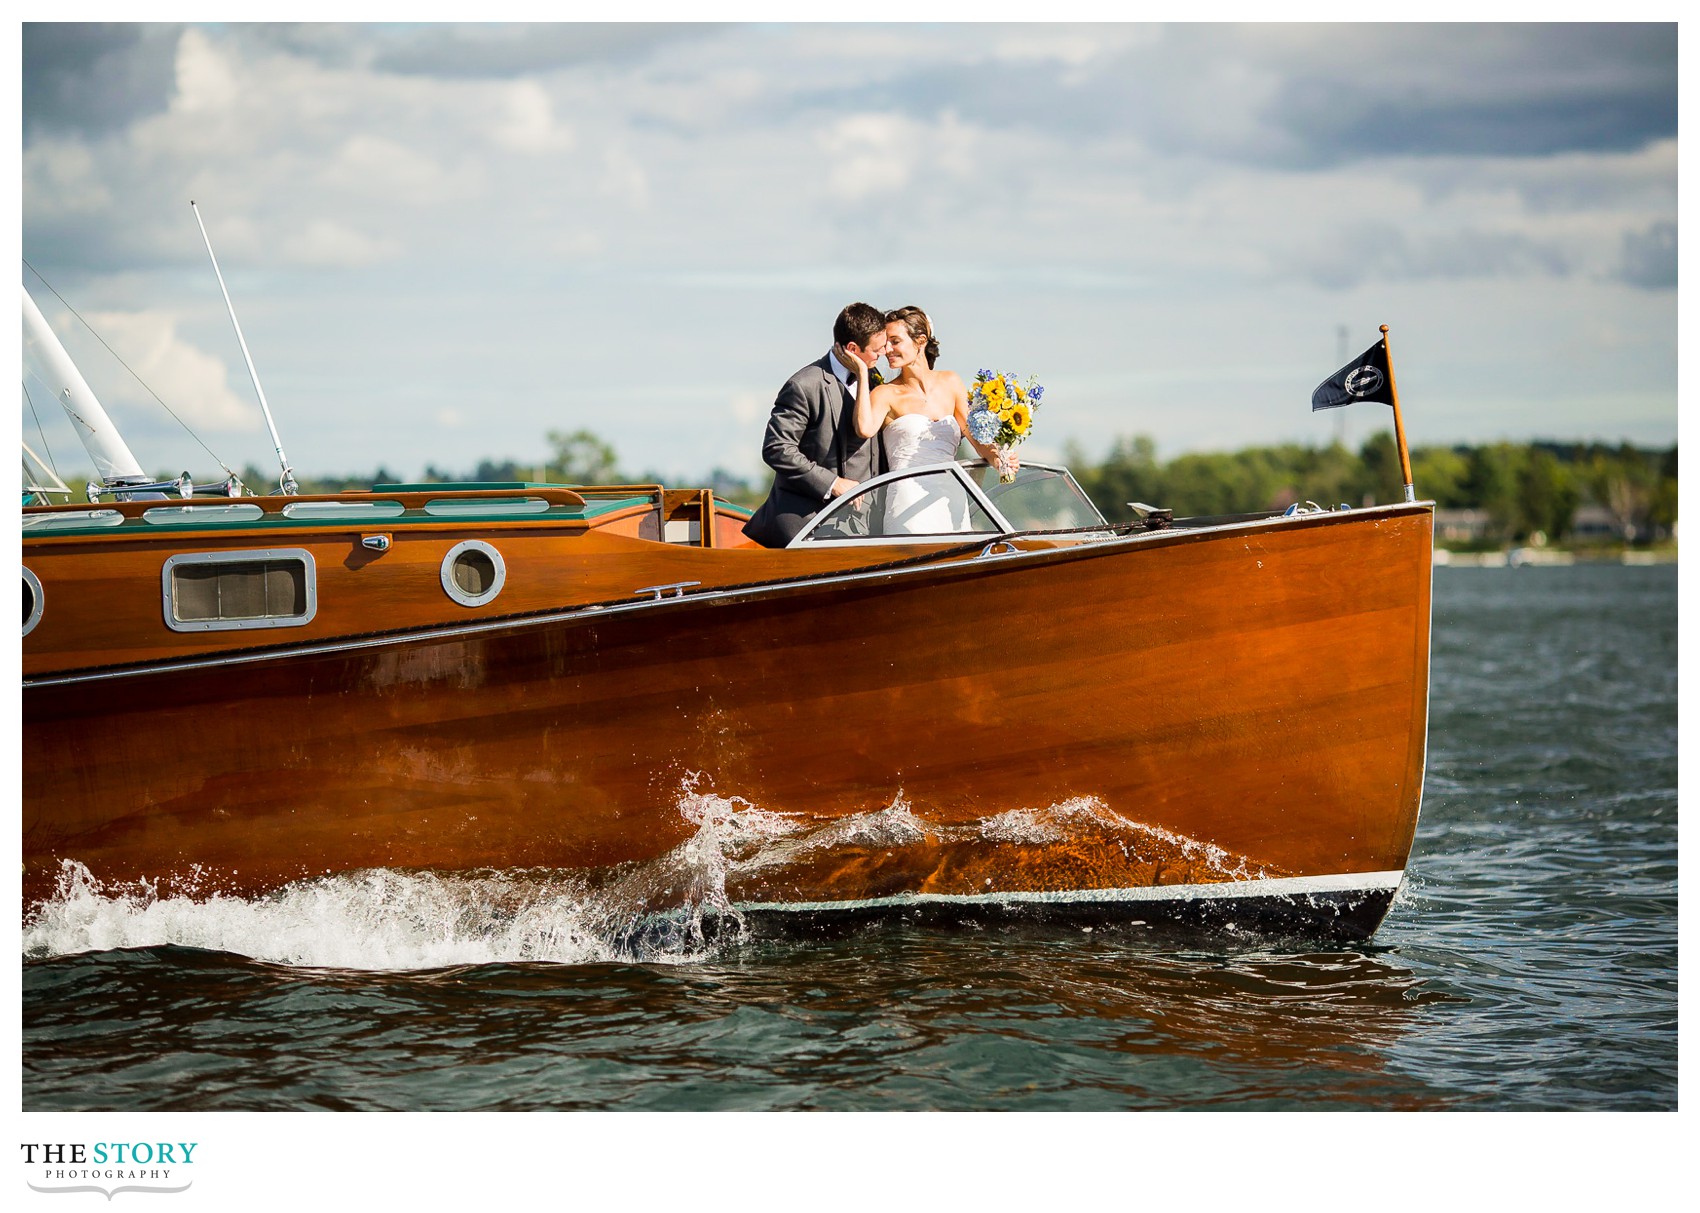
112, 458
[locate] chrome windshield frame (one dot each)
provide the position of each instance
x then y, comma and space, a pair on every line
840, 504
961, 469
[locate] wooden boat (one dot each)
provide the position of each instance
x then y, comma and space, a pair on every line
1215, 720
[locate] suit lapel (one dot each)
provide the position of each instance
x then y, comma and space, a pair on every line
834, 397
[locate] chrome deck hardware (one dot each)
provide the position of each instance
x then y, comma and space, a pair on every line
660, 591
1153, 518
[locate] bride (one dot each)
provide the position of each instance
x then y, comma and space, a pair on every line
924, 413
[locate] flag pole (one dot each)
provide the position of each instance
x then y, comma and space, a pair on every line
1398, 421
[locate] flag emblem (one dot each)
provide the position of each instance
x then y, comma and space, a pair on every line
1363, 382
1363, 378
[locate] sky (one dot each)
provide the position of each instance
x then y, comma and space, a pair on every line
445, 241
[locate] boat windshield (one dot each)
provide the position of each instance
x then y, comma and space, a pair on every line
907, 506
1039, 499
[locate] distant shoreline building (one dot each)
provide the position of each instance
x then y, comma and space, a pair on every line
1463, 526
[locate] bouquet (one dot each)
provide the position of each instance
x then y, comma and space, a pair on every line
1000, 411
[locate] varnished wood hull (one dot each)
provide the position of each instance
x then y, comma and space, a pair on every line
1252, 699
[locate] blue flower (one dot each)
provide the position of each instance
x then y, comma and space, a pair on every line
983, 425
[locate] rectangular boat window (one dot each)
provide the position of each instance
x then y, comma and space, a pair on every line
219, 591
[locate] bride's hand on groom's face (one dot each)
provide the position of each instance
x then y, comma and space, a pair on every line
854, 359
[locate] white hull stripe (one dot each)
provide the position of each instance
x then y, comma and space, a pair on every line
1287, 886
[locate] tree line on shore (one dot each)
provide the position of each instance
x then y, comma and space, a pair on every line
1518, 490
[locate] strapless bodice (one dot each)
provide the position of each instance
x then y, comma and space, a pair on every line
913, 440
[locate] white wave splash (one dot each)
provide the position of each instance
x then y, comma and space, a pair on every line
391, 920
670, 910
359, 920
1091, 817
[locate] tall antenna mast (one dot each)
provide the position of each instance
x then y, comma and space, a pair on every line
287, 480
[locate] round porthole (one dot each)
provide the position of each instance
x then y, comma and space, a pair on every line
32, 601
473, 573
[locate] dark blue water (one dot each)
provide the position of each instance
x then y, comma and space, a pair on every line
1529, 963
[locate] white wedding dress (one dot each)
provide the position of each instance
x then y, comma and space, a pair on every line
916, 506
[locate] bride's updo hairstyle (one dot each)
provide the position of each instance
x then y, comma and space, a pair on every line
920, 328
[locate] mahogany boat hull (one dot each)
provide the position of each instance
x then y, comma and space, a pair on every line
1190, 724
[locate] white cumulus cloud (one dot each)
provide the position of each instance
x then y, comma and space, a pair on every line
193, 384
527, 120
206, 80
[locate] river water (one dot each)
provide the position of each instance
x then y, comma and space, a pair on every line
1529, 962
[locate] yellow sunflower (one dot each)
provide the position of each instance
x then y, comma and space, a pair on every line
1020, 418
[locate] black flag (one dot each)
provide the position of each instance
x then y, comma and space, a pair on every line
1364, 378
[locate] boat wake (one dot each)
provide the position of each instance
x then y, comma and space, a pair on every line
684, 906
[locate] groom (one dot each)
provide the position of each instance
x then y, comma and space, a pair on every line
811, 441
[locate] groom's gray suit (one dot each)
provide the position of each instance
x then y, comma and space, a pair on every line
811, 440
